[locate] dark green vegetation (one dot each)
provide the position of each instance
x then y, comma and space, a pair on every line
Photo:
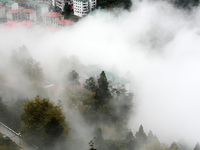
186, 3
43, 122
7, 144
98, 102
108, 4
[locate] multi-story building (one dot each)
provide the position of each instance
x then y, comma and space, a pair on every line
83, 7
51, 18
14, 15
92, 4
2, 13
40, 8
60, 4
29, 14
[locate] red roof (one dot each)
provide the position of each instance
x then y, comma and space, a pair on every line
27, 23
1, 6
53, 14
28, 10
13, 11
11, 23
65, 22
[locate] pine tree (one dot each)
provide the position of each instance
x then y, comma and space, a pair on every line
130, 141
141, 137
103, 92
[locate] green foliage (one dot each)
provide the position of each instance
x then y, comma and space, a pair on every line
8, 117
99, 104
174, 146
141, 137
67, 10
155, 145
103, 93
7, 144
73, 79
43, 121
90, 84
130, 141
126, 4
30, 67
123, 102
186, 3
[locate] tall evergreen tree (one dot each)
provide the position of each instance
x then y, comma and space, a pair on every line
151, 137
141, 137
130, 141
103, 92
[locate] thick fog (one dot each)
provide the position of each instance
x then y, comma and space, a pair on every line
155, 46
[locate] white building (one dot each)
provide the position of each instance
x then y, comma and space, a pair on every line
14, 15
51, 18
92, 4
40, 8
83, 7
2, 12
29, 14
60, 4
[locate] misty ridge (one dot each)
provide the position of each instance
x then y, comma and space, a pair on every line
127, 80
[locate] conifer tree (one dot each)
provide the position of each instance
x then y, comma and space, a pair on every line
103, 92
141, 137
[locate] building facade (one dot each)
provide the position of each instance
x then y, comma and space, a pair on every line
14, 15
51, 18
29, 14
2, 12
83, 7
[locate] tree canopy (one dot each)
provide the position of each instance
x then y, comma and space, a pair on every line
43, 121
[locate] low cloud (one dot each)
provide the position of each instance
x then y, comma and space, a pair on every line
155, 45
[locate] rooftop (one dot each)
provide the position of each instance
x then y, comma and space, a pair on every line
65, 22
7, 1
53, 14
14, 11
33, 3
11, 23
27, 23
28, 10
